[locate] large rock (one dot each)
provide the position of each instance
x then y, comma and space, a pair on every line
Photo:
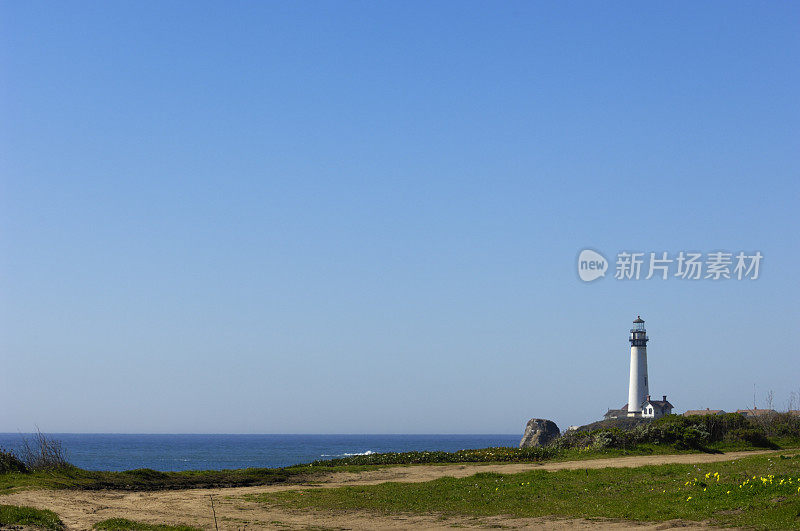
539, 432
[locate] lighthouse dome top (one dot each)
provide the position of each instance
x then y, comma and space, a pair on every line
639, 319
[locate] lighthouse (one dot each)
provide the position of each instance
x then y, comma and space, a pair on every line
639, 402
638, 390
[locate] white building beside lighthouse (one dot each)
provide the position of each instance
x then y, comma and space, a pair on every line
639, 402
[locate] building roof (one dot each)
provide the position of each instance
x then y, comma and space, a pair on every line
705, 411
639, 319
621, 411
661, 404
756, 412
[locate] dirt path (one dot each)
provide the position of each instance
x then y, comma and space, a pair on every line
81, 509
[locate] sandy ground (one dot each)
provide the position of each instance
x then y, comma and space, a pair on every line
82, 509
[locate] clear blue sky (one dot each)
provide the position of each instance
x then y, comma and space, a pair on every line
363, 217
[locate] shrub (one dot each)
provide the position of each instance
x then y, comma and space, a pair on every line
485, 455
720, 425
694, 432
681, 432
752, 436
781, 425
10, 462
43, 453
605, 439
693, 437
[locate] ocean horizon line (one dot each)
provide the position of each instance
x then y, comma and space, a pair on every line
354, 434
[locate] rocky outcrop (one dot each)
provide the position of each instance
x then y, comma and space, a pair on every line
539, 432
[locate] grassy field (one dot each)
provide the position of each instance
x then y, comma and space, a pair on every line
146, 479
14, 515
758, 491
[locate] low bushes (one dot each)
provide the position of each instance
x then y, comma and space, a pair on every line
9, 462
751, 436
39, 454
485, 455
694, 432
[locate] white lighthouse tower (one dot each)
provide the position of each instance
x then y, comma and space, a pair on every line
638, 390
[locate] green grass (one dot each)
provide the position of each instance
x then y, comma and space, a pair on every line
533, 455
147, 479
115, 524
650, 493
28, 516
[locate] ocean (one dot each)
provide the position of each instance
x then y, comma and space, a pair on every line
96, 451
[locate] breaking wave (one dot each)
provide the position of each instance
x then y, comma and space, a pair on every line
368, 452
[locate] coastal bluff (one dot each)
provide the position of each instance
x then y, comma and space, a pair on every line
539, 432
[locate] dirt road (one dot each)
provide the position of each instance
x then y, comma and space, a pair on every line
82, 509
